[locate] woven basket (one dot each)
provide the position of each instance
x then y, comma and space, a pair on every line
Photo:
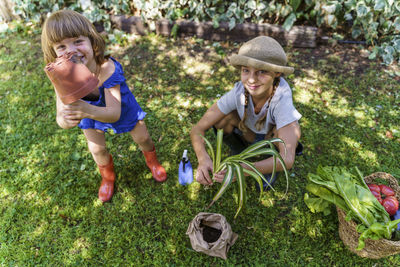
373, 249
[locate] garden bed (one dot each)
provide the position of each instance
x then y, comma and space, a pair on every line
298, 36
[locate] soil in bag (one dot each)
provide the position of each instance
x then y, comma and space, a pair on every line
210, 234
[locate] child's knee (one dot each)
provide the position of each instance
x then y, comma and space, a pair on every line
97, 150
228, 122
143, 139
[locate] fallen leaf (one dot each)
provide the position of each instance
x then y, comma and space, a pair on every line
389, 134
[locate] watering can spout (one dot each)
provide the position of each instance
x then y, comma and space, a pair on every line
185, 170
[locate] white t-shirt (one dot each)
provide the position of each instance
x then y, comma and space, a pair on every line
280, 113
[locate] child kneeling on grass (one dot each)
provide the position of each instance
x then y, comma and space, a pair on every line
110, 106
259, 106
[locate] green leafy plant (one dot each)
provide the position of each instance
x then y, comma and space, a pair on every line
377, 22
234, 166
338, 186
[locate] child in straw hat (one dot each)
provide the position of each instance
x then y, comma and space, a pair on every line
258, 107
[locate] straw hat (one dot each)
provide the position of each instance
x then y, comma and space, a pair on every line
263, 53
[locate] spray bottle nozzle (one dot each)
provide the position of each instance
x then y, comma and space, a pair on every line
185, 170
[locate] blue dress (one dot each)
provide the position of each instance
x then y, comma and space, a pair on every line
131, 112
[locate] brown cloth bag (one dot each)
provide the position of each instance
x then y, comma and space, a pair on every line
211, 234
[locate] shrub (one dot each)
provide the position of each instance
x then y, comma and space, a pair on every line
375, 21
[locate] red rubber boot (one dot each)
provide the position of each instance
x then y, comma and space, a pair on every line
158, 171
106, 189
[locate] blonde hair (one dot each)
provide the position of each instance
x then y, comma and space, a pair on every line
261, 121
69, 24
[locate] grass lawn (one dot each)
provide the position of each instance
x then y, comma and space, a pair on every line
49, 211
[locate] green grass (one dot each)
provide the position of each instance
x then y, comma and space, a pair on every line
49, 212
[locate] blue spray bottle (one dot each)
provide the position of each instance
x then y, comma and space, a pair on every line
185, 170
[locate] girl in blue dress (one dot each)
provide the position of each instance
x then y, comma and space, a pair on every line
110, 106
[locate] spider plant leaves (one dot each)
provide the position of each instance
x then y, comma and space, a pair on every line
238, 165
210, 149
261, 144
216, 157
273, 168
218, 150
276, 156
282, 162
241, 187
225, 183
257, 178
260, 152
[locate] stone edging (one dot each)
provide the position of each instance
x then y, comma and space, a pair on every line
298, 36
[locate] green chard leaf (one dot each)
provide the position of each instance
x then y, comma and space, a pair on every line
317, 179
327, 195
376, 231
348, 191
361, 178
369, 201
317, 204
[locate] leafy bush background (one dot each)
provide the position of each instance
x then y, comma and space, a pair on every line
375, 21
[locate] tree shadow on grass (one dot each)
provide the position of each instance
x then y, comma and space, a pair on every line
349, 110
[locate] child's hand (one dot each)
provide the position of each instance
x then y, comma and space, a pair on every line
66, 117
219, 176
67, 124
75, 111
203, 172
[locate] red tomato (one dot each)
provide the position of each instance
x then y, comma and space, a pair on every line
391, 205
377, 196
374, 187
386, 190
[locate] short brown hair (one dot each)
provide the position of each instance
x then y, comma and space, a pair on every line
64, 24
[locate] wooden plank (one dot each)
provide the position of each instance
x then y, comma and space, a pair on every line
298, 36
132, 24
